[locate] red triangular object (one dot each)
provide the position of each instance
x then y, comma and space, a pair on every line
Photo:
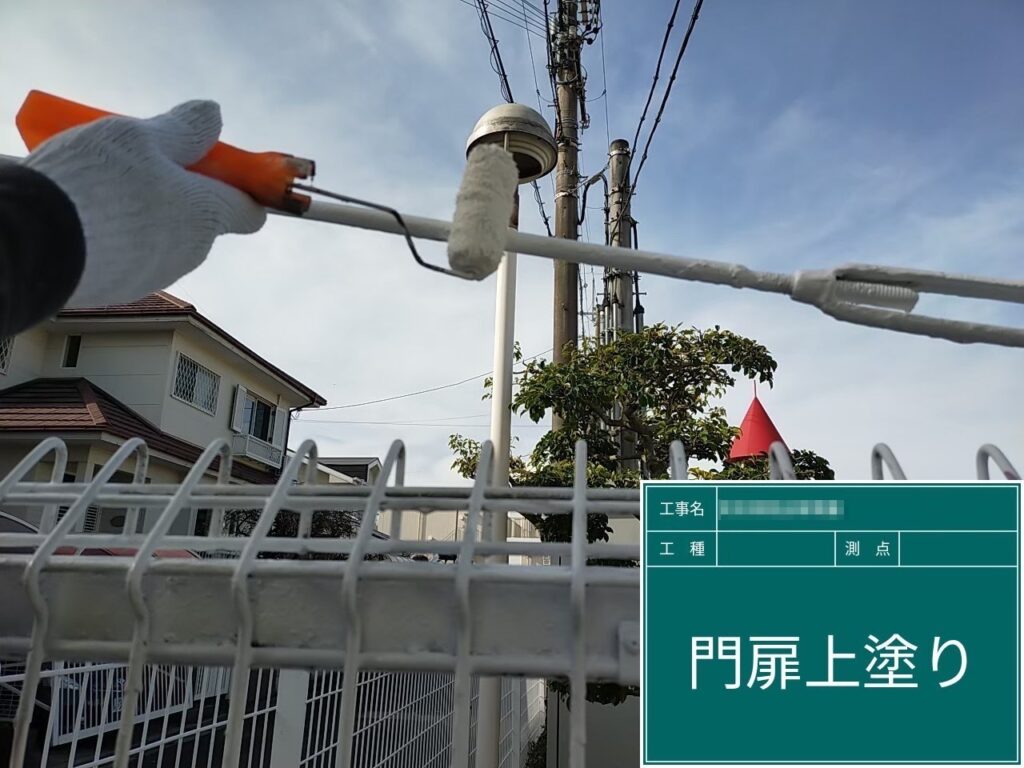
757, 433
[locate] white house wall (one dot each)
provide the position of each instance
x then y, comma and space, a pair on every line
624, 531
26, 358
131, 366
159, 471
13, 451
190, 423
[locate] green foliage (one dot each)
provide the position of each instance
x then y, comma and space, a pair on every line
662, 383
324, 525
597, 693
537, 752
808, 466
659, 385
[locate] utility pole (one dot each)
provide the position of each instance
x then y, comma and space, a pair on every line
618, 284
565, 52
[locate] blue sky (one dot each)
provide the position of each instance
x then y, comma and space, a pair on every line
799, 135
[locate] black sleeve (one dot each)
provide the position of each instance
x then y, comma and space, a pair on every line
42, 248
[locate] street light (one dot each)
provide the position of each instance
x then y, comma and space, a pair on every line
526, 135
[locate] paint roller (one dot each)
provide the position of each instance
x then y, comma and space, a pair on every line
483, 206
865, 294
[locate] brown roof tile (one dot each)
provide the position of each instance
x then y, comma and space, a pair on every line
163, 304
78, 405
159, 303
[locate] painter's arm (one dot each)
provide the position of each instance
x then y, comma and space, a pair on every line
42, 249
107, 212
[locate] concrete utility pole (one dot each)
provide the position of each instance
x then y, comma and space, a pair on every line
618, 284
566, 45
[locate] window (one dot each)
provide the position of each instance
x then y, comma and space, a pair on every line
90, 522
196, 384
258, 418
72, 344
254, 417
6, 349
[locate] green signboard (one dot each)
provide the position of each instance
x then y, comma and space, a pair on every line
831, 623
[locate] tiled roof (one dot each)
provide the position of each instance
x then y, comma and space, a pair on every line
163, 304
78, 405
159, 303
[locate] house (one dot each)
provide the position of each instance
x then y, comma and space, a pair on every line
366, 469
155, 368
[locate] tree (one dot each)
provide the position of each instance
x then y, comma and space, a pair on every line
663, 381
325, 524
662, 384
807, 464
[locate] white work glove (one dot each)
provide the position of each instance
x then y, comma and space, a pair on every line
146, 220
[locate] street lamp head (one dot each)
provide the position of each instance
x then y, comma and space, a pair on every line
529, 138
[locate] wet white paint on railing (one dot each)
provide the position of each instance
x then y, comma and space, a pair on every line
239, 659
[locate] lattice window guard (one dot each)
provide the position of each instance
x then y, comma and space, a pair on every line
472, 618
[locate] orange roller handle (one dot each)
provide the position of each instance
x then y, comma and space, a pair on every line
266, 176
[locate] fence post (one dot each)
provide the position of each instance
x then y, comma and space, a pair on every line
289, 718
516, 721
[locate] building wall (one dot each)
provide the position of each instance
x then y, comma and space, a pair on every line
195, 425
158, 471
132, 366
417, 526
624, 531
613, 734
26, 358
441, 526
84, 461
13, 451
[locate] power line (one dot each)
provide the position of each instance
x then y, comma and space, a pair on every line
664, 99
531, 13
532, 29
647, 104
496, 63
657, 73
420, 424
540, 107
551, 72
604, 83
419, 421
535, 9
509, 10
506, 91
534, 25
533, 65
668, 92
536, 86
407, 394
422, 391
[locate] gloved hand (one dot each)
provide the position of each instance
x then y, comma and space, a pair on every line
146, 220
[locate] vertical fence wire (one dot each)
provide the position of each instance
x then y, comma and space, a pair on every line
350, 717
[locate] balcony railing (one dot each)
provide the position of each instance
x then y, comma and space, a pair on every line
249, 447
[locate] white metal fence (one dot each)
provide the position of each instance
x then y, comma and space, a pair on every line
202, 655
291, 717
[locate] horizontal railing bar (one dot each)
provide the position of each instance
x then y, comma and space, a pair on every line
291, 545
336, 490
219, 655
298, 569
